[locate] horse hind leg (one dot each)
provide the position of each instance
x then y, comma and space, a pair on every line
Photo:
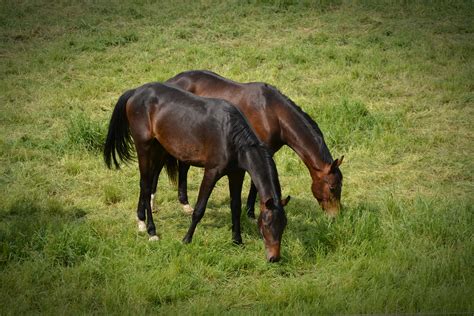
156, 174
141, 223
151, 161
183, 169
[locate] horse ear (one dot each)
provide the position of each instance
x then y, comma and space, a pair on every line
284, 202
340, 160
337, 162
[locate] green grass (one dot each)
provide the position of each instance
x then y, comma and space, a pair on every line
389, 83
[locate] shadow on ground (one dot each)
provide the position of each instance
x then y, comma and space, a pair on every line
30, 229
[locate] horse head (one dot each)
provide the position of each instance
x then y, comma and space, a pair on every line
272, 222
327, 187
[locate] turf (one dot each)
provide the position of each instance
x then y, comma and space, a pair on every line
389, 83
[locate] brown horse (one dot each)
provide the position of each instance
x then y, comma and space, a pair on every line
169, 124
277, 121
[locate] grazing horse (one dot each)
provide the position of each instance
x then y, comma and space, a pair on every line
277, 121
169, 124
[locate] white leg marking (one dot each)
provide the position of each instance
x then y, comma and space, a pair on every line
154, 238
141, 226
151, 201
188, 209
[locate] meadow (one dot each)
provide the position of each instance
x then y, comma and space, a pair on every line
390, 83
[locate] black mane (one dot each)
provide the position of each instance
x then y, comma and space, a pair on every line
242, 134
243, 138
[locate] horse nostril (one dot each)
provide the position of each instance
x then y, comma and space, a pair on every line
274, 259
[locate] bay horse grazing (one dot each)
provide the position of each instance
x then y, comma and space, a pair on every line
169, 124
277, 121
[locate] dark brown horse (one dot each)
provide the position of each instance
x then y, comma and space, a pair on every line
169, 124
277, 121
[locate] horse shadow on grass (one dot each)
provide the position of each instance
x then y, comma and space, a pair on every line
306, 222
30, 229
217, 215
308, 226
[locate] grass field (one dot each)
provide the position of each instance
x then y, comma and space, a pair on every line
391, 84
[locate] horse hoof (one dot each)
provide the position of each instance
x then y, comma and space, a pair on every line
154, 238
141, 226
237, 242
252, 219
251, 215
188, 209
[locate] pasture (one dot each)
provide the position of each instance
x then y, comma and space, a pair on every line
390, 84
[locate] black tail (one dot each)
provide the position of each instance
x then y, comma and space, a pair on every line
171, 165
118, 139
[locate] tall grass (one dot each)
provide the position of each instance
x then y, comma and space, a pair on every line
85, 133
389, 83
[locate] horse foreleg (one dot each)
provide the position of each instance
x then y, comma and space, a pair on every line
208, 182
236, 180
252, 197
183, 169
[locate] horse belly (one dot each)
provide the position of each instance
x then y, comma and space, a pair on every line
192, 155
187, 145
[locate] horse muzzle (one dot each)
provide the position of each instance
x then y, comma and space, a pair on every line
273, 253
331, 208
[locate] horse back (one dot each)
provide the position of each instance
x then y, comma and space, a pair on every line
190, 128
258, 101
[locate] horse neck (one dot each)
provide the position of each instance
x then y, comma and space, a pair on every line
262, 170
300, 134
